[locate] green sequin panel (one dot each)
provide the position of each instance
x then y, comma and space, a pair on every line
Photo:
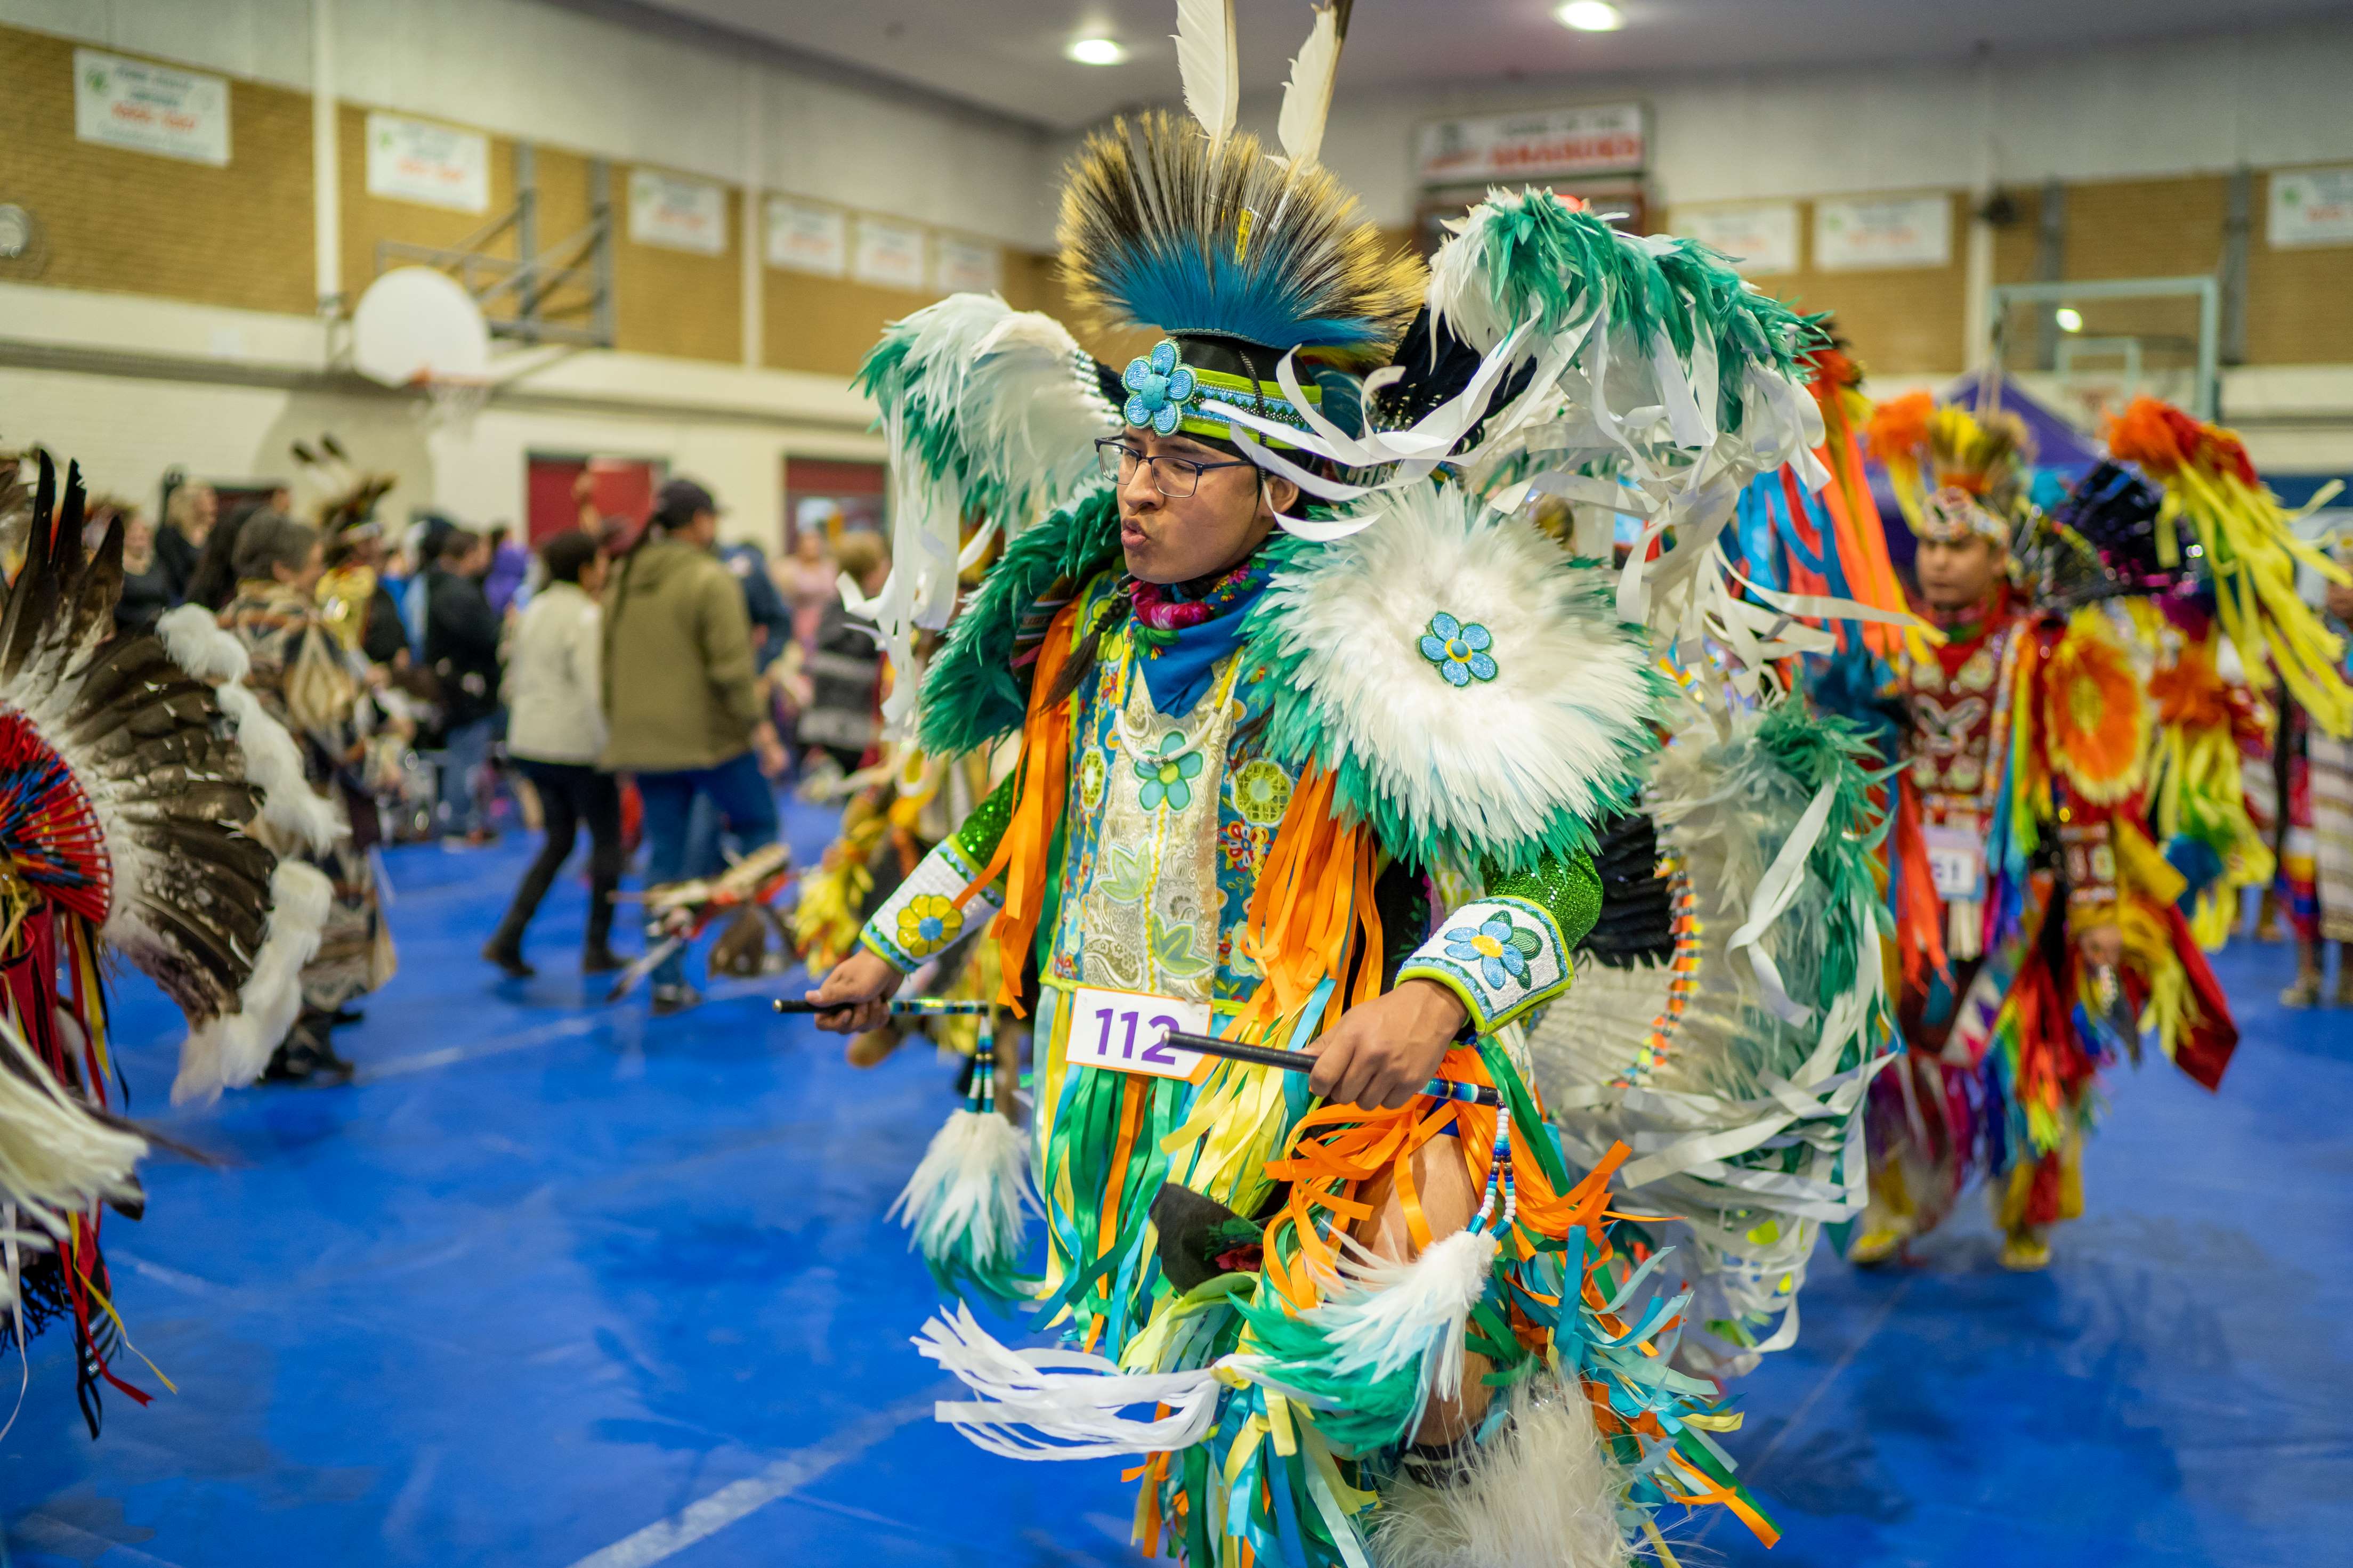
1568, 889
983, 830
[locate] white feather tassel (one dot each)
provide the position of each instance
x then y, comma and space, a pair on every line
56, 1159
1307, 96
1063, 1404
1210, 66
967, 1195
1383, 1316
232, 1049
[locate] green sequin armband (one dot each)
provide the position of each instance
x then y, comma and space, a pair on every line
985, 828
1568, 889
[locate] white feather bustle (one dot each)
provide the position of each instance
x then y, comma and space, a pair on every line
231, 1051
288, 803
1493, 761
1063, 1404
56, 1159
1540, 1493
968, 1191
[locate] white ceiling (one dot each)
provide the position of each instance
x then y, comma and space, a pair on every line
1008, 54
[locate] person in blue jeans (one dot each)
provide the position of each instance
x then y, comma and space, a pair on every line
683, 697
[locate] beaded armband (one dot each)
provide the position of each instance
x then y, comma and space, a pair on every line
1501, 956
920, 920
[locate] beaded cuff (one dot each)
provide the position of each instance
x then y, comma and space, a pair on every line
1501, 956
921, 920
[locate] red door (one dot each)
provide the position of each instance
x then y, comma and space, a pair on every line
579, 492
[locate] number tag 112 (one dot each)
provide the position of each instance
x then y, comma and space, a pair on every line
1123, 1031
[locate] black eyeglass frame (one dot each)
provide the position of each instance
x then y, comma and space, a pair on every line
1106, 445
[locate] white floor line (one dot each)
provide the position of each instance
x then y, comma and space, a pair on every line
666, 1538
39, 1533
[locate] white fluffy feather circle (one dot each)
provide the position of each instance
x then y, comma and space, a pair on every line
1489, 764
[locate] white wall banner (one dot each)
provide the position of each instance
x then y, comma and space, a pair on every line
1761, 237
1901, 231
437, 165
890, 254
807, 238
2311, 207
1595, 139
965, 266
151, 108
677, 213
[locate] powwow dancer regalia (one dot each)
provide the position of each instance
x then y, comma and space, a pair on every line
139, 782
1325, 779
2041, 928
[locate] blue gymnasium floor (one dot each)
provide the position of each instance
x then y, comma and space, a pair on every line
554, 1284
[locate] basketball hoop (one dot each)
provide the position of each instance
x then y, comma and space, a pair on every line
451, 402
419, 330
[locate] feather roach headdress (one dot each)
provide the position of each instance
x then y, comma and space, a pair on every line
138, 786
1956, 473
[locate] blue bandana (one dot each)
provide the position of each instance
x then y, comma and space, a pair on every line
1181, 636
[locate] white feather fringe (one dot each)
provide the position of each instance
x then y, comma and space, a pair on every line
1540, 1494
1063, 1404
231, 1050
969, 1189
56, 1159
198, 645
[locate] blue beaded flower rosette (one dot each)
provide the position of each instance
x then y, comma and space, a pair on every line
1158, 387
1459, 649
1498, 950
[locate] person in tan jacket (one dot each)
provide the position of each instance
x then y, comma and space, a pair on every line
687, 710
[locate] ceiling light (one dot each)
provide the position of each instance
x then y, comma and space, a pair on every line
2070, 320
1592, 17
1096, 52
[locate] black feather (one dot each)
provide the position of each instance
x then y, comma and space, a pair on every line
1636, 924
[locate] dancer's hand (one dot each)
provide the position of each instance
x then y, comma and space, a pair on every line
1380, 1054
2102, 946
855, 995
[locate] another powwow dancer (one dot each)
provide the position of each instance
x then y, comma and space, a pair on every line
2038, 921
1328, 782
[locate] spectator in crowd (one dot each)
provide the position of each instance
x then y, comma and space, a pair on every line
842, 718
772, 622
461, 648
810, 579
427, 532
189, 513
214, 582
555, 697
510, 569
683, 697
301, 677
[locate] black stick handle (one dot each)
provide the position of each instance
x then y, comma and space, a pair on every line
1235, 1051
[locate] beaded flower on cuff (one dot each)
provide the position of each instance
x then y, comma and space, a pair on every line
1501, 956
920, 920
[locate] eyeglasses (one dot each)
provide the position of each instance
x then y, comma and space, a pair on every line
1175, 478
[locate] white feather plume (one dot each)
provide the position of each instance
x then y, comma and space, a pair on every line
1063, 1404
230, 1050
56, 1159
968, 1191
1381, 1315
1307, 96
1210, 65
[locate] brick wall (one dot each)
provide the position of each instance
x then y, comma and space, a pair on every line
140, 223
